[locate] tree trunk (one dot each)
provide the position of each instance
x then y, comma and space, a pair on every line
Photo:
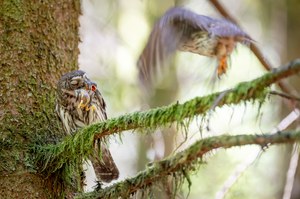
38, 43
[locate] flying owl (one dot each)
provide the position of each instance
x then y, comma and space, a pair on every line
79, 103
184, 30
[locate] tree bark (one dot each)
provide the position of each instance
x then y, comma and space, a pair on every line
38, 43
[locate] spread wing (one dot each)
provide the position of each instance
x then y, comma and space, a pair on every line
174, 27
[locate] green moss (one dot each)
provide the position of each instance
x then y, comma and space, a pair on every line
12, 9
34, 54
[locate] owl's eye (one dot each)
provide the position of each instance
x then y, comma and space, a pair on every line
74, 82
93, 88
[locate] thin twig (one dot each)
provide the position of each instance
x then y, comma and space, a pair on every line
287, 121
284, 95
231, 180
290, 177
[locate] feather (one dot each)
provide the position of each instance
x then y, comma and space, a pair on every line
77, 106
182, 29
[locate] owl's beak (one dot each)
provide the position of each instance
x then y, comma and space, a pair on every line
91, 86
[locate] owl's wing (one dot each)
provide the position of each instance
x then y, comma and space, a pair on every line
170, 30
194, 22
103, 163
100, 106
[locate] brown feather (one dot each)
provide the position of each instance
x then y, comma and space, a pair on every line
78, 106
104, 166
182, 29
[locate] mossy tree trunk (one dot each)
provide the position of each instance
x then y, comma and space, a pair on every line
38, 43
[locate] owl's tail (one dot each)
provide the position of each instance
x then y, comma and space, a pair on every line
103, 163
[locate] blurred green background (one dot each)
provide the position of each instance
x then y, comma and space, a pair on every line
113, 34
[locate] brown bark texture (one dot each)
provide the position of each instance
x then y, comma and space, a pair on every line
38, 43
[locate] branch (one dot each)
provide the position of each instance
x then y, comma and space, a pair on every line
187, 160
284, 95
73, 149
152, 118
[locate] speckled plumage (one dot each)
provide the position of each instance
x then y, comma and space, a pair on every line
79, 103
182, 29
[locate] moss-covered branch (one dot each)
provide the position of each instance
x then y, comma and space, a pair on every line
53, 158
245, 91
187, 160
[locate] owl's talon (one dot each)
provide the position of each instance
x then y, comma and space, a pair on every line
92, 107
85, 100
222, 68
81, 105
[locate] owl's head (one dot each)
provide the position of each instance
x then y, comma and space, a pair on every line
75, 80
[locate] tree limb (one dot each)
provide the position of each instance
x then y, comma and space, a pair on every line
254, 89
284, 95
60, 160
51, 158
187, 160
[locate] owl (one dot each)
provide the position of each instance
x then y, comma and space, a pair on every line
184, 30
79, 103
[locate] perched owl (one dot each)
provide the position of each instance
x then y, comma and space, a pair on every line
182, 29
79, 103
